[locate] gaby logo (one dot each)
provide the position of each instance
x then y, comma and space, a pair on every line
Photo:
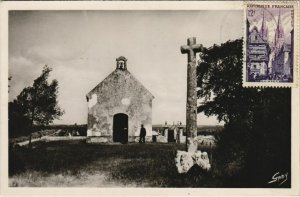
279, 178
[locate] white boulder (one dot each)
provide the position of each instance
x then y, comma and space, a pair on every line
185, 160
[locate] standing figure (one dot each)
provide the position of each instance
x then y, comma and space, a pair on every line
142, 134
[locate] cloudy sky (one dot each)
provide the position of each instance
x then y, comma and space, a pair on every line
81, 47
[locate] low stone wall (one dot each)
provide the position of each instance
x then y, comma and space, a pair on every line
99, 140
131, 139
147, 139
64, 138
50, 139
162, 139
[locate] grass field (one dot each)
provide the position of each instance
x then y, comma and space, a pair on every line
67, 164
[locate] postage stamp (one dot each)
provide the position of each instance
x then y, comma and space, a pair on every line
271, 31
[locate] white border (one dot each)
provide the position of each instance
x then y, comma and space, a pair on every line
133, 5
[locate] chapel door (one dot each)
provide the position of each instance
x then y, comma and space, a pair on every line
120, 128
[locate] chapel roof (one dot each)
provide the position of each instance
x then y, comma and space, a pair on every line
118, 72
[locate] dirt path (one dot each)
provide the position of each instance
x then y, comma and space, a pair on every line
51, 137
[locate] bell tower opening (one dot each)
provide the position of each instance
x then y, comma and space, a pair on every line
121, 63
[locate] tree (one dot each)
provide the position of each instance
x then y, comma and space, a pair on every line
256, 138
18, 123
38, 103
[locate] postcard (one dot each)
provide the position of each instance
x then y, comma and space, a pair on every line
149, 98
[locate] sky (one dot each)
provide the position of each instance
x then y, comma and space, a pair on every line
271, 18
82, 46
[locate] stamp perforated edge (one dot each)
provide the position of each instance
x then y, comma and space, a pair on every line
295, 82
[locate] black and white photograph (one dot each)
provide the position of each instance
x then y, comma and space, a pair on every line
124, 98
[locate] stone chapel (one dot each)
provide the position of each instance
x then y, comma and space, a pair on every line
117, 107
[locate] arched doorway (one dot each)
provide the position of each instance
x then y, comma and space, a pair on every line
120, 128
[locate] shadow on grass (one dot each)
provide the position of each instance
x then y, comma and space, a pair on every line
75, 163
150, 165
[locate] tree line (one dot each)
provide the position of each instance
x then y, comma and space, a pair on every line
256, 140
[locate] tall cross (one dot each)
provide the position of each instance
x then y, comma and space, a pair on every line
191, 105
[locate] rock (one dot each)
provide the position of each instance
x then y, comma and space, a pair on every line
202, 160
185, 160
208, 140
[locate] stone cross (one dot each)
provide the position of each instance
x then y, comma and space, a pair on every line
191, 105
